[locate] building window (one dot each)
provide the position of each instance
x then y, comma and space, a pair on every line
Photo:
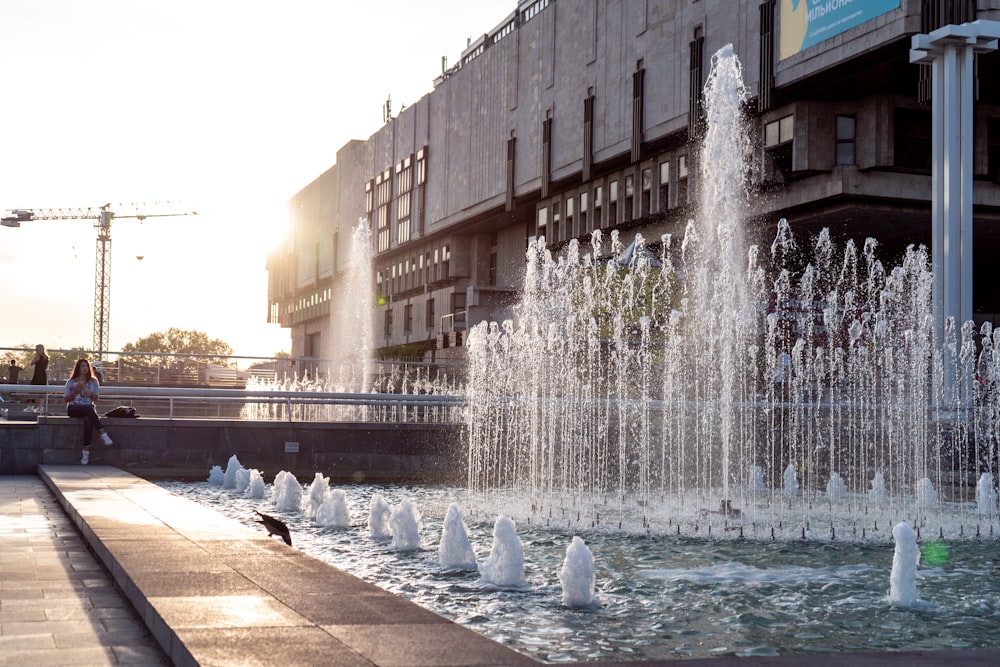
629, 197
429, 313
598, 203
445, 260
421, 166
388, 322
541, 221
912, 140
613, 203
458, 309
570, 215
779, 131
647, 192
556, 223
583, 213
845, 139
779, 136
383, 197
408, 318
682, 180
993, 149
664, 200
404, 187
369, 198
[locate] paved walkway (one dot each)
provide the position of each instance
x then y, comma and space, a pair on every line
57, 604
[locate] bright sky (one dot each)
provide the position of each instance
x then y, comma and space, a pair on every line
227, 107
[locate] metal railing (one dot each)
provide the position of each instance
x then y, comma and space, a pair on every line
249, 404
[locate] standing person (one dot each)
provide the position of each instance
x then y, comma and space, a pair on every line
82, 390
41, 363
13, 371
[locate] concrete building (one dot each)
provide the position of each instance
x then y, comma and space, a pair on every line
575, 115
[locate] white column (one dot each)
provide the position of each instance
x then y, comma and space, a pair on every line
950, 51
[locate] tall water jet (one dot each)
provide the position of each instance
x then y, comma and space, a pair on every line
352, 316
720, 297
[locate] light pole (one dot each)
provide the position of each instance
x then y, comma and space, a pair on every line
950, 51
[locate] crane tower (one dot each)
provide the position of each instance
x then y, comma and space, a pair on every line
102, 216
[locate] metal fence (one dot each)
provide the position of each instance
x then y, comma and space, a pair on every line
26, 401
204, 370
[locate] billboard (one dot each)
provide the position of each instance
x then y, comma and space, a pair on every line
805, 23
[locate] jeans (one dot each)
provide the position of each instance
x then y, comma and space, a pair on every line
89, 416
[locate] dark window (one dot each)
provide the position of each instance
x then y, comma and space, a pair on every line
664, 201
584, 228
598, 203
429, 313
993, 148
458, 309
629, 197
613, 203
912, 140
695, 79
408, 318
388, 321
845, 139
682, 180
647, 192
556, 223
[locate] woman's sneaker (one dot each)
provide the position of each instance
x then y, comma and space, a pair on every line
106, 439
86, 457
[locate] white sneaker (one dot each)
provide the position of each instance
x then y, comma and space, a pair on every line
86, 457
106, 439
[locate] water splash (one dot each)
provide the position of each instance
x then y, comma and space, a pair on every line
577, 577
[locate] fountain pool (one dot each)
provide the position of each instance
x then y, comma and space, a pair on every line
662, 596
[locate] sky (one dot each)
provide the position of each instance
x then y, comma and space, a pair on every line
224, 107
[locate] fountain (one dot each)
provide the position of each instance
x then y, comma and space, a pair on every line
735, 432
639, 387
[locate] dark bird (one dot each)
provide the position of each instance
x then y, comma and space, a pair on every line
275, 527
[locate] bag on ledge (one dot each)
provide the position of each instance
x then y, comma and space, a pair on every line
126, 411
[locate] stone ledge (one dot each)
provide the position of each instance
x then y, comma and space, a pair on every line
213, 591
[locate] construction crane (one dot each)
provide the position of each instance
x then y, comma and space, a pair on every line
102, 216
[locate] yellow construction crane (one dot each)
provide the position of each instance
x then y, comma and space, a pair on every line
102, 216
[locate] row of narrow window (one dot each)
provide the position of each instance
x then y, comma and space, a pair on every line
453, 320
414, 272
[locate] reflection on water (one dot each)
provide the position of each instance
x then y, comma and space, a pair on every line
663, 596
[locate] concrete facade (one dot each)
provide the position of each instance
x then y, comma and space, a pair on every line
572, 116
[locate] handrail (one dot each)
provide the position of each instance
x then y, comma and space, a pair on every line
399, 403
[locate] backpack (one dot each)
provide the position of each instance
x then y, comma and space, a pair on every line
126, 411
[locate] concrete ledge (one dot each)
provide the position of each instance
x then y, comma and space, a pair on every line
214, 592
159, 448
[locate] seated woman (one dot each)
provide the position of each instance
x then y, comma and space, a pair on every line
81, 391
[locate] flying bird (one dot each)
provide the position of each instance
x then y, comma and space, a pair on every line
274, 527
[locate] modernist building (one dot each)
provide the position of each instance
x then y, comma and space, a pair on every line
576, 115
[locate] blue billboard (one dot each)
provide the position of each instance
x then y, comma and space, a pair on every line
805, 23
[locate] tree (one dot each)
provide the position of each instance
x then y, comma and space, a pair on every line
177, 342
